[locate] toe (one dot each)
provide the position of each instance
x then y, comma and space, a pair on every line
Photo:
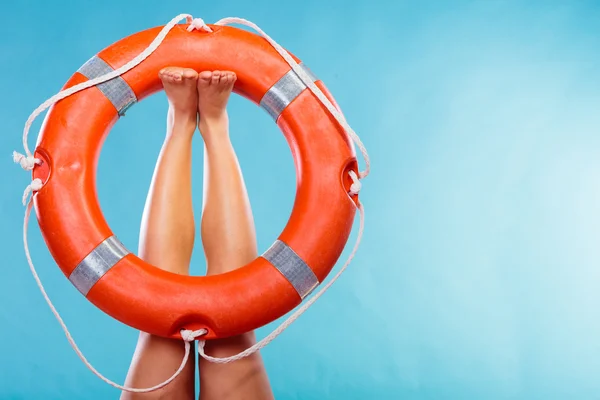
174, 74
216, 77
189, 74
224, 79
164, 74
231, 78
204, 78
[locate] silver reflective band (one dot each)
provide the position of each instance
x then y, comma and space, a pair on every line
282, 93
295, 270
116, 90
97, 263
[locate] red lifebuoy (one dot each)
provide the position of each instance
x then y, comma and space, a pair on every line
163, 303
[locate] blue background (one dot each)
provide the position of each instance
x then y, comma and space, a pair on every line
478, 276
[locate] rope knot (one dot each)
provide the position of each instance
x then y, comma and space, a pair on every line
199, 25
34, 186
190, 336
356, 184
201, 344
27, 162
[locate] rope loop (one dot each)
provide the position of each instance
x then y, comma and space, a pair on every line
34, 186
356, 183
190, 336
27, 162
197, 24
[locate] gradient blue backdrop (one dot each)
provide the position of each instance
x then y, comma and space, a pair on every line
479, 272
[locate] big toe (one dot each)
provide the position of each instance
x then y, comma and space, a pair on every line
189, 74
205, 78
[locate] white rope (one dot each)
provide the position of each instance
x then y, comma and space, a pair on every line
187, 335
197, 24
268, 339
310, 84
34, 186
93, 82
356, 184
28, 162
354, 189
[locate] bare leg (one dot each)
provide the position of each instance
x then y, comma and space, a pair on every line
167, 235
229, 240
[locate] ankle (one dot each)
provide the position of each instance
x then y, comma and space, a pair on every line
214, 129
181, 121
181, 129
182, 115
211, 122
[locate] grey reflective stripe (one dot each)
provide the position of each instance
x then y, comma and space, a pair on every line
97, 263
116, 90
309, 72
295, 270
282, 93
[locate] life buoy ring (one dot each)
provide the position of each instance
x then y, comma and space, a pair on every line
148, 298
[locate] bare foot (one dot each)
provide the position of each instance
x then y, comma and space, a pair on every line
214, 89
180, 87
